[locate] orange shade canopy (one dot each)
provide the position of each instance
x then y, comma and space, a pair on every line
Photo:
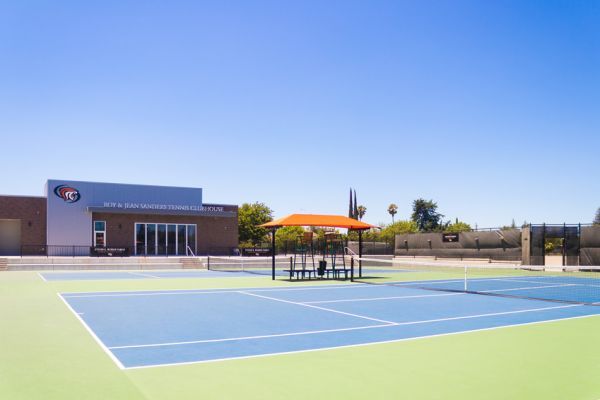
334, 221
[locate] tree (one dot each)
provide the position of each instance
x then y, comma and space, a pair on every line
250, 216
512, 225
287, 234
361, 210
392, 210
425, 215
457, 227
350, 207
389, 232
597, 219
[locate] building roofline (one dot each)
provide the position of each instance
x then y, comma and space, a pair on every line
126, 184
219, 204
19, 195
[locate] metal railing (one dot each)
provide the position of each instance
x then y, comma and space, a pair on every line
91, 251
188, 251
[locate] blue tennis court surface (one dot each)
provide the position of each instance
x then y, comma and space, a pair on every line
154, 328
119, 275
150, 274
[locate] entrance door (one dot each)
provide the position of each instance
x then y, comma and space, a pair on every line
172, 240
99, 233
164, 239
10, 237
161, 237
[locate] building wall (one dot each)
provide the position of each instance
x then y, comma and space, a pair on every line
32, 213
213, 232
69, 220
498, 245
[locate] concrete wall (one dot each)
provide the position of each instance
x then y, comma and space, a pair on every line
589, 253
498, 245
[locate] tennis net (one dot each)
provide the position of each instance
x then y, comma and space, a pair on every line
249, 265
509, 280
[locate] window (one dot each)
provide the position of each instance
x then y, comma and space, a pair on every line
164, 239
161, 239
150, 239
99, 233
172, 240
140, 238
191, 238
181, 242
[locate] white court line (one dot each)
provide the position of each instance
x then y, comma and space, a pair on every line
134, 294
428, 321
42, 277
143, 274
548, 280
382, 298
250, 337
525, 288
219, 290
517, 279
319, 308
457, 280
361, 344
91, 332
474, 280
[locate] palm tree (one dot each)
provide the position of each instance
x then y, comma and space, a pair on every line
392, 210
362, 210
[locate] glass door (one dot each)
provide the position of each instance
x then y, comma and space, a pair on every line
161, 239
99, 233
181, 240
150, 239
172, 240
140, 239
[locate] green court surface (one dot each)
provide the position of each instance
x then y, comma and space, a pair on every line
46, 353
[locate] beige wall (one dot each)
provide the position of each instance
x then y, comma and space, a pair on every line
31, 212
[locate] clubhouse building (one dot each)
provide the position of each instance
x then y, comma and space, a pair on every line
108, 219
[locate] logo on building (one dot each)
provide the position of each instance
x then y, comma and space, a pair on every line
67, 193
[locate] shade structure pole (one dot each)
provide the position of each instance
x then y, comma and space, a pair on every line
273, 253
360, 253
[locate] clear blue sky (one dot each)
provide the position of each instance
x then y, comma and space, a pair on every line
492, 109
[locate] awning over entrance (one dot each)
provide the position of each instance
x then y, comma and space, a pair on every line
203, 212
332, 221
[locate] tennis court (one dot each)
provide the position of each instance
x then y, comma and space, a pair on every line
157, 328
125, 275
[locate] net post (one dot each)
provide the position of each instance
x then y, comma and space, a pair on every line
579, 244
564, 244
360, 253
544, 245
273, 254
208, 263
351, 269
465, 281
